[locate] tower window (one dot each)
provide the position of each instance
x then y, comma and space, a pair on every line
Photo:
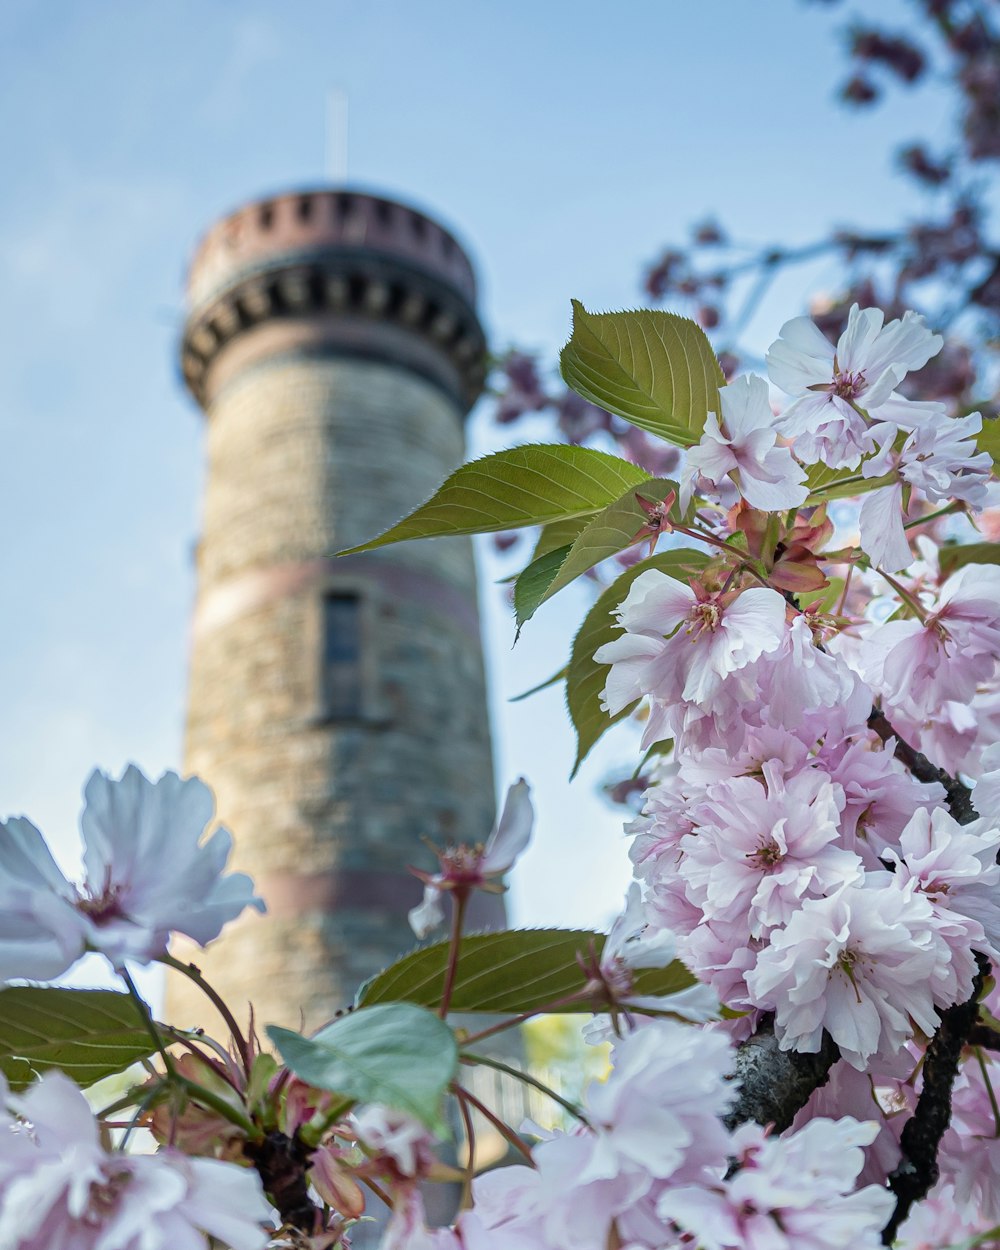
341, 657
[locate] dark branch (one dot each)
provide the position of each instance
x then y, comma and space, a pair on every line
958, 796
281, 1162
775, 1084
917, 1171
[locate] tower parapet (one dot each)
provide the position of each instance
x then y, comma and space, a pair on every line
358, 273
336, 706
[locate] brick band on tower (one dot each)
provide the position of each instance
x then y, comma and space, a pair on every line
336, 706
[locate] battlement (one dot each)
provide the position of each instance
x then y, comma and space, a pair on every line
337, 257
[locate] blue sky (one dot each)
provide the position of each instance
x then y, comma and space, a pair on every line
565, 142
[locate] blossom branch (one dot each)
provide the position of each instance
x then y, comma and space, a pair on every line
958, 795
776, 1084
917, 1171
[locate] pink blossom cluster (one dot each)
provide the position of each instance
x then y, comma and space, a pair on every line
802, 871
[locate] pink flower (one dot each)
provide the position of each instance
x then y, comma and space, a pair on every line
147, 874
465, 868
946, 656
956, 868
831, 383
398, 1137
744, 446
758, 850
681, 641
790, 1193
883, 538
59, 1187
866, 964
658, 1110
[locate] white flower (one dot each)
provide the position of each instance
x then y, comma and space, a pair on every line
790, 1193
831, 383
658, 1111
941, 460
147, 874
744, 444
883, 538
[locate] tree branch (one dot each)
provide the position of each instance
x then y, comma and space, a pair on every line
776, 1084
958, 796
917, 1171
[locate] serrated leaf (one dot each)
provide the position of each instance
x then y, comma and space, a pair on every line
605, 534
88, 1034
534, 581
530, 485
655, 369
825, 483
558, 534
507, 973
395, 1053
609, 531
952, 557
586, 678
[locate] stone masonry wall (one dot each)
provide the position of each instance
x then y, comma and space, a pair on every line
306, 456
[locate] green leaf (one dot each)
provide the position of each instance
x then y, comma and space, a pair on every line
507, 973
586, 678
529, 485
606, 533
655, 369
952, 557
558, 534
394, 1053
610, 531
988, 438
88, 1034
825, 483
542, 685
533, 583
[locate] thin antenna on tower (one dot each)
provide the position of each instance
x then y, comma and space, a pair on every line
336, 135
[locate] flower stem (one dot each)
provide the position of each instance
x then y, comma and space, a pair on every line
147, 1021
905, 595
505, 1131
528, 1079
458, 905
193, 973
947, 510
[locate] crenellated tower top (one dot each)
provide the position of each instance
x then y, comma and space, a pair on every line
333, 270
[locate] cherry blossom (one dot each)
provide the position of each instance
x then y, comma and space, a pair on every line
832, 384
465, 868
681, 641
148, 874
792, 1193
743, 444
866, 964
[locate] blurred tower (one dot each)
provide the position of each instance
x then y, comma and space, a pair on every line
336, 706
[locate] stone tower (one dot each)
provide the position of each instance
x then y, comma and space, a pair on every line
336, 706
